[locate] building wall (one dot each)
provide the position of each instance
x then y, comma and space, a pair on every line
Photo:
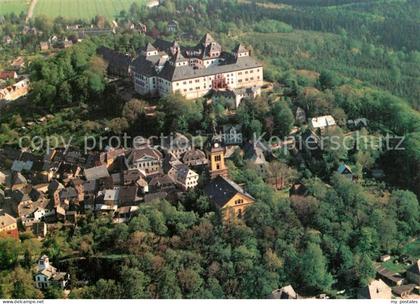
197, 87
234, 209
200, 86
10, 231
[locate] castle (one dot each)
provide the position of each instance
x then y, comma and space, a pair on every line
166, 67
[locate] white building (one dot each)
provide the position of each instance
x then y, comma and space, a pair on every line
166, 67
322, 122
47, 275
147, 160
183, 176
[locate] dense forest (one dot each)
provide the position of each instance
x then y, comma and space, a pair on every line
340, 57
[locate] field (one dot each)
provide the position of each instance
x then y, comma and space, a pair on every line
82, 9
13, 6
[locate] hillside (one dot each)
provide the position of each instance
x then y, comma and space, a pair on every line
71, 9
13, 6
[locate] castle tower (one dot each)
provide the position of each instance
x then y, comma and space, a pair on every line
217, 160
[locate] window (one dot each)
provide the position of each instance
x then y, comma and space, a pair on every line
239, 213
239, 202
217, 158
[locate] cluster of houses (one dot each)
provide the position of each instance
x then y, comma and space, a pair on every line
387, 285
37, 192
13, 86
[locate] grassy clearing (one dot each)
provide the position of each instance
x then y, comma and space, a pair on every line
13, 6
83, 9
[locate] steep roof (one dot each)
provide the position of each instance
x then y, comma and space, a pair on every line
137, 154
240, 48
377, 289
172, 73
207, 39
221, 189
96, 172
6, 220
149, 48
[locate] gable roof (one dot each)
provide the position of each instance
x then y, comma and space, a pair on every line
344, 169
221, 189
377, 289
240, 48
96, 172
149, 48
137, 154
207, 39
6, 220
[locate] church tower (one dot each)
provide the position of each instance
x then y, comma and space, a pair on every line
217, 159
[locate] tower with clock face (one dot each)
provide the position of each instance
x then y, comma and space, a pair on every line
217, 160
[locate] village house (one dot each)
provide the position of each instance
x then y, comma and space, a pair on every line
285, 293
298, 190
147, 160
346, 171
183, 176
172, 26
161, 183
39, 229
229, 197
195, 158
3, 178
18, 63
15, 91
176, 144
322, 123
6, 75
8, 226
375, 290
48, 275
44, 46
124, 214
166, 67
300, 115
390, 278
7, 40
95, 173
254, 154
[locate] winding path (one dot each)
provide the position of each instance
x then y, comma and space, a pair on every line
31, 10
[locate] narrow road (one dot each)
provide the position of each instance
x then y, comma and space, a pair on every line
31, 10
